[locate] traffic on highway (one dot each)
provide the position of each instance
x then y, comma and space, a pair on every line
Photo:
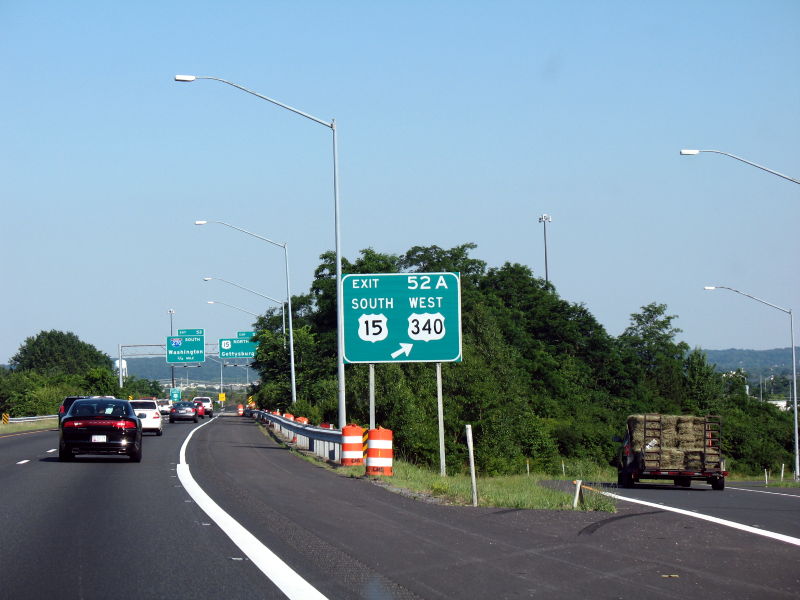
271, 525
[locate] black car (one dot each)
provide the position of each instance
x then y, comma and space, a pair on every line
183, 411
100, 426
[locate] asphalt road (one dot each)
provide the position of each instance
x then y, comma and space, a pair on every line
747, 503
103, 527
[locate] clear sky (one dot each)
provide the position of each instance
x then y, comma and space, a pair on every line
458, 121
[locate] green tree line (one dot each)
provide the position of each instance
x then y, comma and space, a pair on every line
541, 379
54, 364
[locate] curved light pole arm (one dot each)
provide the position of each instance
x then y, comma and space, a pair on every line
236, 307
257, 95
744, 160
241, 287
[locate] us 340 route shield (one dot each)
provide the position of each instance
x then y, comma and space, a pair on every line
402, 317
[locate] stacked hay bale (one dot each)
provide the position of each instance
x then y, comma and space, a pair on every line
680, 439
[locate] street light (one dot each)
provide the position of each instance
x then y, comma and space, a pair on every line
794, 367
288, 292
763, 168
283, 312
171, 312
544, 220
337, 236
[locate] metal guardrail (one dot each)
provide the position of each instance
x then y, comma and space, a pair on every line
31, 419
325, 443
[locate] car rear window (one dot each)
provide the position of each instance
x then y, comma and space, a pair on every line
144, 404
114, 408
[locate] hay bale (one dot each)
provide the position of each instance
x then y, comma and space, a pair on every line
672, 458
693, 460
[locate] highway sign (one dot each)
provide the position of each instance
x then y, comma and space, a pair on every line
174, 394
245, 334
402, 317
186, 349
191, 332
237, 348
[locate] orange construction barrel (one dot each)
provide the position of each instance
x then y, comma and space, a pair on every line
302, 420
352, 450
379, 452
240, 410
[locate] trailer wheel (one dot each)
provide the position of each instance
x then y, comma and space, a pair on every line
683, 481
718, 483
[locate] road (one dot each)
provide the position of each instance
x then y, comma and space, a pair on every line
103, 527
747, 503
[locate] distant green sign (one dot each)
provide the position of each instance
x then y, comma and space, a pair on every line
245, 334
175, 394
237, 348
186, 349
191, 332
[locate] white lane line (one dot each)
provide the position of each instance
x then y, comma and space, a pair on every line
22, 462
52, 450
286, 579
764, 492
770, 534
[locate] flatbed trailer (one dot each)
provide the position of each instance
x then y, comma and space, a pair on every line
681, 448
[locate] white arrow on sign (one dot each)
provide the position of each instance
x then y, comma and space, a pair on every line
404, 349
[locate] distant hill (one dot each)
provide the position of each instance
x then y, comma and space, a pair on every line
208, 372
777, 361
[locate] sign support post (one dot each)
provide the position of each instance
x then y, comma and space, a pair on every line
372, 396
440, 410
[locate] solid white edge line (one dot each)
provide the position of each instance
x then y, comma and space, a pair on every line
738, 489
283, 576
22, 462
770, 534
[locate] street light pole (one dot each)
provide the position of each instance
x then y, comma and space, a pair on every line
283, 312
337, 233
794, 367
171, 313
288, 292
544, 220
232, 306
739, 158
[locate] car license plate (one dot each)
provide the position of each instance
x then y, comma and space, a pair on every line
98, 438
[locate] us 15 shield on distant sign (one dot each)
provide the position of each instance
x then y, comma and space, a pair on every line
402, 317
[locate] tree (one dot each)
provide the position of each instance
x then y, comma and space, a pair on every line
52, 352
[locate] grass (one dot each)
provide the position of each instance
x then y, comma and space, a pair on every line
509, 491
31, 426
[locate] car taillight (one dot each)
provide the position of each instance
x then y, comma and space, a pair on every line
125, 424
172, 410
156, 416
73, 424
61, 409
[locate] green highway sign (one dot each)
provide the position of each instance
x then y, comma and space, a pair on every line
237, 348
245, 334
191, 332
174, 394
186, 348
402, 317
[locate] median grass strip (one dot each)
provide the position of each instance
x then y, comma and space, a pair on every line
28, 426
507, 491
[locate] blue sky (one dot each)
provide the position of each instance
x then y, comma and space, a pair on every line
458, 122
